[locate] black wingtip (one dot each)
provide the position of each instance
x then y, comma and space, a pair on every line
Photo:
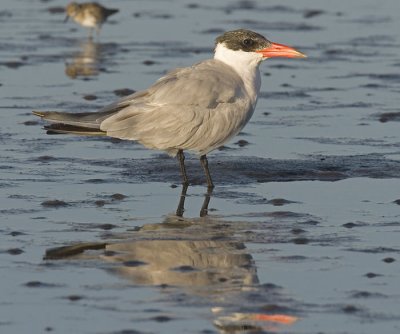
60, 128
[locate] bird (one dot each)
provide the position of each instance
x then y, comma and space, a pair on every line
89, 14
196, 108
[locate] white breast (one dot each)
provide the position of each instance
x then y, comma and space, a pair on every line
89, 21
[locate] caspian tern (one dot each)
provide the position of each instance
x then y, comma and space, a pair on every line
89, 14
196, 108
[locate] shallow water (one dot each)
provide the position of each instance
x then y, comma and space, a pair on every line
302, 231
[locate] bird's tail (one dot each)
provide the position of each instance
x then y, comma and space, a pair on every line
111, 11
87, 124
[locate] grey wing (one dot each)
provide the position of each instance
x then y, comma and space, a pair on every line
205, 84
178, 106
124, 102
194, 85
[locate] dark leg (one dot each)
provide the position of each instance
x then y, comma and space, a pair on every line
204, 208
181, 205
204, 163
181, 158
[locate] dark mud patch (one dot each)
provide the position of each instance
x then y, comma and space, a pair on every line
149, 62
74, 298
300, 241
54, 204
161, 318
16, 233
106, 226
39, 284
310, 13
118, 197
280, 202
350, 309
107, 199
376, 250
31, 123
366, 294
372, 275
388, 260
12, 251
13, 64
123, 92
354, 225
297, 231
228, 170
5, 14
388, 117
90, 97
242, 143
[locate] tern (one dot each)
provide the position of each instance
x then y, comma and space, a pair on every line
196, 108
89, 14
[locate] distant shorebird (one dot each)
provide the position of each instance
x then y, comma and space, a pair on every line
89, 14
196, 108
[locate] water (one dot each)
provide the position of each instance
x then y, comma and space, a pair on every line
302, 234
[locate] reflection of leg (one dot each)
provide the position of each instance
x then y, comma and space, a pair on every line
207, 197
204, 163
181, 205
181, 158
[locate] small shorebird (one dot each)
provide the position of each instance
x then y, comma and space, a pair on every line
196, 108
89, 14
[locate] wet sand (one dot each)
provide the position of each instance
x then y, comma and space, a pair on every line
301, 233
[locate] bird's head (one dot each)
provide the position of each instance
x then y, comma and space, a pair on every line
247, 44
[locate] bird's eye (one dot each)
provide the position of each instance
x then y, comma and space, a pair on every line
248, 42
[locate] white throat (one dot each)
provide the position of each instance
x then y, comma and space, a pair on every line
245, 64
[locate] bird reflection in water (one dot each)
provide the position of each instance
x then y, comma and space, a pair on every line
200, 257
203, 266
186, 256
86, 62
